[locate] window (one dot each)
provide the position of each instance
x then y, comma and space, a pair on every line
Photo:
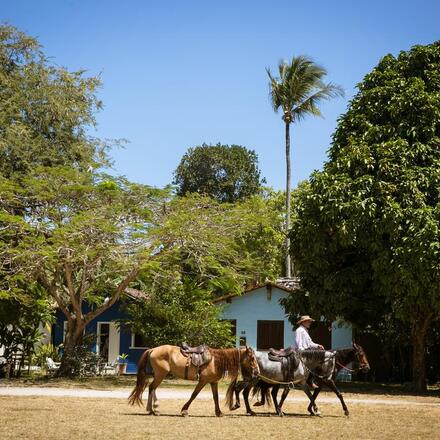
270, 334
138, 340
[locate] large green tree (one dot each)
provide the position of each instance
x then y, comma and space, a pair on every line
297, 92
226, 173
46, 113
367, 234
83, 238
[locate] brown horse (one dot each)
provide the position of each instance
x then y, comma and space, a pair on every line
169, 359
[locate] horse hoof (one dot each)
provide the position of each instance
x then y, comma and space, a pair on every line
219, 414
153, 413
236, 406
280, 414
184, 413
155, 405
258, 404
251, 413
346, 413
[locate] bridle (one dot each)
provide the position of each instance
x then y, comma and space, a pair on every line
362, 365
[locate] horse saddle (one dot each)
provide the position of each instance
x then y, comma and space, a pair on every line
197, 355
288, 361
278, 355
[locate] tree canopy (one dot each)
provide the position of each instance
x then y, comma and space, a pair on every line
226, 173
366, 237
45, 110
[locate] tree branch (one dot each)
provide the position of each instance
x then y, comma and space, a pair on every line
76, 304
51, 288
116, 295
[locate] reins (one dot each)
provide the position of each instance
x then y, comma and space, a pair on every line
276, 382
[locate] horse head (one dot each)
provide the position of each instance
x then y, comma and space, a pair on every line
249, 363
364, 365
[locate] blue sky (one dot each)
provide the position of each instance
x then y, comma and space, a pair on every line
176, 74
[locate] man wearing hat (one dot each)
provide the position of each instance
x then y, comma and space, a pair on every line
302, 338
304, 341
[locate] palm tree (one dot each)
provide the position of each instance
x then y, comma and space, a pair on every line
297, 91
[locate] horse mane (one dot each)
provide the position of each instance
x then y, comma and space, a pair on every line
313, 355
226, 361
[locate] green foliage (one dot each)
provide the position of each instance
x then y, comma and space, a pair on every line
207, 249
218, 246
179, 312
19, 322
226, 173
45, 111
366, 237
44, 351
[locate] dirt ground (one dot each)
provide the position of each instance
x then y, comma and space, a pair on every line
90, 418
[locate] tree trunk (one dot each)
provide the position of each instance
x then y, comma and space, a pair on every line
288, 186
419, 331
74, 339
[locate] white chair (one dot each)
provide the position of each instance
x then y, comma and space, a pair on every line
110, 368
52, 366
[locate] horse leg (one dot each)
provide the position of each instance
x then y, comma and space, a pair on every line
313, 408
306, 389
283, 398
158, 378
238, 388
274, 394
261, 402
197, 389
332, 386
214, 388
246, 392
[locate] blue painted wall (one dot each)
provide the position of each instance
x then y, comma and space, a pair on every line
258, 305
112, 314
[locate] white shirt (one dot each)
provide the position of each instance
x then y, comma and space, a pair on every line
303, 339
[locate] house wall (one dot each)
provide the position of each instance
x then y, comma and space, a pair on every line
257, 305
112, 314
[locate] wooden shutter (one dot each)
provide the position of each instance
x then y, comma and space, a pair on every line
270, 334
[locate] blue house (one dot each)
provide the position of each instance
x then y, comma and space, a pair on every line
259, 320
111, 341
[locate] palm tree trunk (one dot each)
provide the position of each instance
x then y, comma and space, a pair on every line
288, 186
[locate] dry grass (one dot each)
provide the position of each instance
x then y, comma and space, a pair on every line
64, 418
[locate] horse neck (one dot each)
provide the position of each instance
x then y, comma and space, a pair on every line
312, 358
345, 356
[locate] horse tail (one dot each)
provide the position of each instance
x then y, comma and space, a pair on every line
263, 388
141, 381
229, 400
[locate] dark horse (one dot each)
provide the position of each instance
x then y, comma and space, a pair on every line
323, 372
169, 359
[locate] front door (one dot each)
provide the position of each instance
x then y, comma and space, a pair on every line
108, 341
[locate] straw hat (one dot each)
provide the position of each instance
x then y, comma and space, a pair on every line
304, 318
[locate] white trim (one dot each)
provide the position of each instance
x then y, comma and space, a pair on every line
98, 333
